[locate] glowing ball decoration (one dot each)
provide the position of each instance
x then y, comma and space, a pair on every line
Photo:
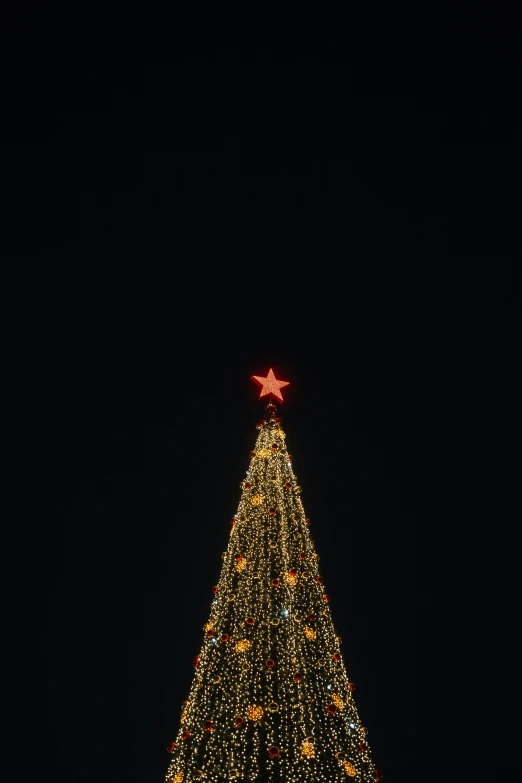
178, 777
243, 645
307, 749
349, 769
255, 712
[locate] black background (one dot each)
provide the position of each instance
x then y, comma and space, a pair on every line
169, 233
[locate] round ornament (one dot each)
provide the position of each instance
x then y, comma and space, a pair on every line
288, 485
307, 521
208, 725
326, 598
362, 747
270, 663
352, 687
247, 485
215, 589
331, 709
319, 580
243, 645
250, 621
178, 777
275, 446
272, 511
196, 662
239, 721
273, 751
349, 769
225, 638
298, 677
302, 556
273, 707
275, 582
336, 657
311, 618
186, 734
377, 774
171, 747
310, 633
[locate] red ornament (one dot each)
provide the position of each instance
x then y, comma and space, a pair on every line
319, 580
298, 677
362, 747
247, 485
171, 747
271, 511
225, 637
275, 446
336, 657
302, 556
239, 558
275, 582
239, 721
196, 662
250, 621
186, 734
210, 634
292, 572
352, 687
377, 774
326, 598
270, 663
261, 423
215, 589
307, 521
289, 457
251, 453
311, 618
288, 485
279, 420
331, 709
273, 751
270, 385
208, 725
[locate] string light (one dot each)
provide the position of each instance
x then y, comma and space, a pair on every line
270, 686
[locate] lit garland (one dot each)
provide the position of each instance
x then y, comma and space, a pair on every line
271, 697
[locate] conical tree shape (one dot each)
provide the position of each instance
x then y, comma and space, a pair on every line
271, 699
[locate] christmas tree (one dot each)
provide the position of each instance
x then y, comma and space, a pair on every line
271, 699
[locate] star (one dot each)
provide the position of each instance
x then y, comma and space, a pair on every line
270, 385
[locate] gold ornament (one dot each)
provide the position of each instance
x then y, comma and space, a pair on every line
256, 575
273, 707
264, 453
349, 769
256, 500
241, 564
310, 633
255, 713
339, 703
183, 716
208, 627
178, 777
232, 597
243, 645
217, 679
292, 578
320, 662
280, 434
307, 749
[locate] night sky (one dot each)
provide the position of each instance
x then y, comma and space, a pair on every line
168, 234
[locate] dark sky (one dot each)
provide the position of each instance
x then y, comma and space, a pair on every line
168, 234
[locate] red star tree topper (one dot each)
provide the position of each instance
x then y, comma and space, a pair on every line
270, 385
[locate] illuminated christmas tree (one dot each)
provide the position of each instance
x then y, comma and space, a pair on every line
271, 699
